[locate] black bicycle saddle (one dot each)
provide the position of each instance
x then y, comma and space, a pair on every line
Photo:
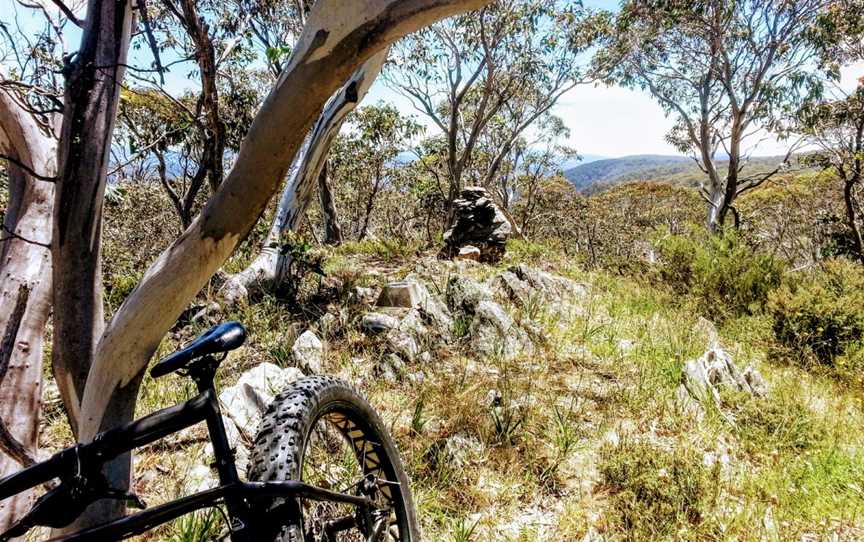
221, 338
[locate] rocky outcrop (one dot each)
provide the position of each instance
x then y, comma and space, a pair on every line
494, 333
411, 322
478, 223
705, 378
464, 294
520, 284
376, 322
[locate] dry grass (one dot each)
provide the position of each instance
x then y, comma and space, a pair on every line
585, 437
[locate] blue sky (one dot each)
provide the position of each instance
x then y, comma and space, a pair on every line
614, 121
603, 121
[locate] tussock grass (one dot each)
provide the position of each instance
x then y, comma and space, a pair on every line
585, 435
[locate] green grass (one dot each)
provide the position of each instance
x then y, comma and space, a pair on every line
589, 435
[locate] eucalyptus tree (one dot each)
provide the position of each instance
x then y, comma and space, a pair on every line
190, 132
839, 33
99, 366
727, 72
365, 161
531, 163
518, 56
30, 107
337, 40
154, 125
270, 268
836, 127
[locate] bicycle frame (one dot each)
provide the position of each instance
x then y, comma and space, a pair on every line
237, 495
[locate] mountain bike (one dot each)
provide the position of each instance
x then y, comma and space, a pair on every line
323, 466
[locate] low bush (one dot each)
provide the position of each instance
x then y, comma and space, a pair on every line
725, 275
819, 315
781, 423
655, 493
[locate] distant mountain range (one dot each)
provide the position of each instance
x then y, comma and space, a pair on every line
599, 175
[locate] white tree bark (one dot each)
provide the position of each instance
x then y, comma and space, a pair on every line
25, 288
338, 38
270, 267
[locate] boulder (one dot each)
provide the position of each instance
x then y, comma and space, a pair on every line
403, 343
478, 222
521, 283
464, 294
243, 406
308, 353
245, 402
376, 322
704, 378
468, 252
512, 288
494, 333
550, 285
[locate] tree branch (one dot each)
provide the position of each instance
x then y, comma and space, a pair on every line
27, 169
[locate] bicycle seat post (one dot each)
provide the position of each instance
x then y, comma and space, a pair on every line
203, 373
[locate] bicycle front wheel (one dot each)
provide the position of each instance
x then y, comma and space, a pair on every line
320, 431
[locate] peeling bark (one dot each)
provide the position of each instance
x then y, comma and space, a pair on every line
332, 229
25, 266
268, 270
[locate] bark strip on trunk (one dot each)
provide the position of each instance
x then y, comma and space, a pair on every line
25, 266
332, 229
90, 105
268, 270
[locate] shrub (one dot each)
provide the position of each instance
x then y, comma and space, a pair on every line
654, 492
819, 315
779, 424
723, 273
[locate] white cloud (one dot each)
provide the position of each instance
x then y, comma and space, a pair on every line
614, 121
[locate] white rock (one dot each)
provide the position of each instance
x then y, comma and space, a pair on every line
364, 295
704, 378
376, 322
494, 333
308, 353
245, 402
469, 252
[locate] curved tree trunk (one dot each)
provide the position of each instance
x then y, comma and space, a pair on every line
25, 290
339, 37
268, 270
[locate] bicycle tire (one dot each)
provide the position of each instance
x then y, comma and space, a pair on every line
281, 445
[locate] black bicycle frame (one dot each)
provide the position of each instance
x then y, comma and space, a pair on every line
237, 496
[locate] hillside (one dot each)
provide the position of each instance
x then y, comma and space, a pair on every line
587, 177
593, 177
